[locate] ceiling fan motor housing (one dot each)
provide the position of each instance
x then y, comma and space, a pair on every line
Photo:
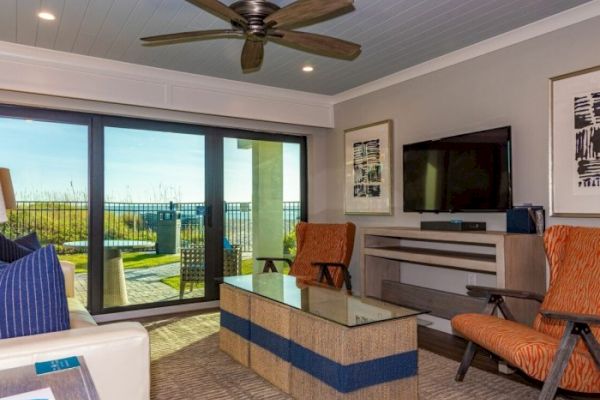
255, 12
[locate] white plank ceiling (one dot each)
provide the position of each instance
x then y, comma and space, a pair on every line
395, 34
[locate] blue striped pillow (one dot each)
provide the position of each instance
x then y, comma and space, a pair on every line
33, 296
11, 251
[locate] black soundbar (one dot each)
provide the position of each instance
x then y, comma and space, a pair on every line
454, 226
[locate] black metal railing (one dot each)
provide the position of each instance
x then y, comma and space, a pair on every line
58, 222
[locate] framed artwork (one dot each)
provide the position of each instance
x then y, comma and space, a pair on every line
575, 144
368, 169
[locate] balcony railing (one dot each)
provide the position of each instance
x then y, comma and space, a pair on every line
58, 222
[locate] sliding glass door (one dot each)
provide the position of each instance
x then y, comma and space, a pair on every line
154, 206
151, 213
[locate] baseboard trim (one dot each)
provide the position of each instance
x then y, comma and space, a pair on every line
153, 312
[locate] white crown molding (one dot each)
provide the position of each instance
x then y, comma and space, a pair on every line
49, 72
558, 21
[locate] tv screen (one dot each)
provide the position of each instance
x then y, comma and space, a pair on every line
470, 172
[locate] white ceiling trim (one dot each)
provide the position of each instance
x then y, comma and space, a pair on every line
42, 71
561, 20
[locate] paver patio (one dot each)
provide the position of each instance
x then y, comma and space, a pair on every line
143, 285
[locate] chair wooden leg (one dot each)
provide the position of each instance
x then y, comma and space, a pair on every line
181, 289
269, 266
591, 343
348, 280
505, 311
567, 345
466, 361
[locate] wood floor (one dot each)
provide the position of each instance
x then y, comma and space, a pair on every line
452, 347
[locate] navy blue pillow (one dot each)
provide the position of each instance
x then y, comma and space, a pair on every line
33, 296
11, 251
29, 241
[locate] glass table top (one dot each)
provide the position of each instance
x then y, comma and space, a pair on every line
330, 304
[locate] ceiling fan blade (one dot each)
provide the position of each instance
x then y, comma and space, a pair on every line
319, 44
305, 12
183, 37
220, 10
252, 55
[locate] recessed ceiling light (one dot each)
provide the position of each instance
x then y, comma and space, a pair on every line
308, 68
46, 15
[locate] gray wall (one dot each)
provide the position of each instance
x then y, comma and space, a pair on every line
507, 87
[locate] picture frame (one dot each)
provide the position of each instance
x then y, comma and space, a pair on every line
575, 144
369, 169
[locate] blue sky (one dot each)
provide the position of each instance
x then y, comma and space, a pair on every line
49, 161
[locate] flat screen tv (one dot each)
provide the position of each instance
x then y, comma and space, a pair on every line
465, 173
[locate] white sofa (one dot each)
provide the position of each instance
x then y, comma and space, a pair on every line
117, 355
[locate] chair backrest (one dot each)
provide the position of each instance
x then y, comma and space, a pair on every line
325, 243
574, 258
193, 260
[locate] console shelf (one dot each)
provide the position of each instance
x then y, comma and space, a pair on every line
517, 260
450, 259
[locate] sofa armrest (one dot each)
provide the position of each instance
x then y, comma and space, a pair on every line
68, 269
117, 355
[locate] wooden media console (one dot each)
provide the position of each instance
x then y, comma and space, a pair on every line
518, 262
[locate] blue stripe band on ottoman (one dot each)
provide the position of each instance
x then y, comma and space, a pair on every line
349, 378
343, 378
235, 324
270, 341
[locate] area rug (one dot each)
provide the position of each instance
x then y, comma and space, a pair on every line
187, 364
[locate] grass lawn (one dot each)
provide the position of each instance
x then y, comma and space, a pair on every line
173, 281
130, 260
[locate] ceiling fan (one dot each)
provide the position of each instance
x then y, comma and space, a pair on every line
259, 21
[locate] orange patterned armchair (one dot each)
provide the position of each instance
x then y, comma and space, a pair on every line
323, 254
550, 351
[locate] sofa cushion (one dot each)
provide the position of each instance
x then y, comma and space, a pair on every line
32, 292
11, 251
79, 315
29, 241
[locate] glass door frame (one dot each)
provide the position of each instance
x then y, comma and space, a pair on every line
214, 189
214, 199
66, 117
97, 228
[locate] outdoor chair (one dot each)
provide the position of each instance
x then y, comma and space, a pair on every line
192, 265
550, 351
323, 255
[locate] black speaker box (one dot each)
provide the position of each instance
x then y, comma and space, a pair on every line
456, 226
522, 219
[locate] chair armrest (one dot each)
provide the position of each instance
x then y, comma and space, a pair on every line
328, 264
484, 291
68, 269
577, 318
287, 260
